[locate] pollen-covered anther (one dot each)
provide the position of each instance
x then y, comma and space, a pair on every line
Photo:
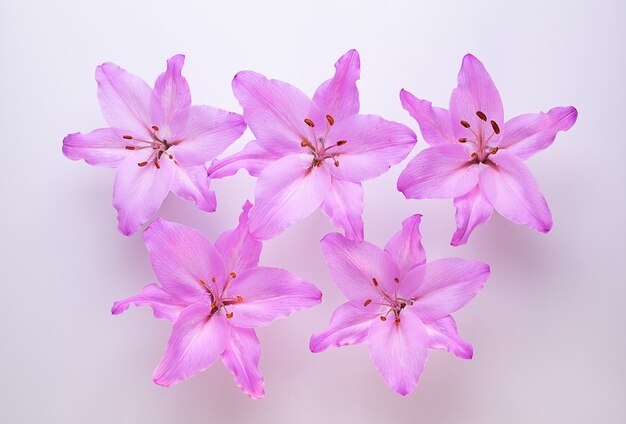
474, 155
481, 115
213, 279
465, 124
239, 299
330, 120
375, 282
127, 137
341, 142
229, 315
309, 122
336, 163
156, 163
383, 318
493, 151
319, 164
496, 128
154, 127
397, 280
130, 147
142, 163
232, 274
367, 302
171, 156
305, 143
213, 304
397, 319
462, 140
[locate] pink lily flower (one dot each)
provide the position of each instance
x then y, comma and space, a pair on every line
311, 154
158, 141
398, 304
477, 158
215, 296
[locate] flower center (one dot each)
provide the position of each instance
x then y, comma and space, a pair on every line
320, 147
394, 303
158, 144
480, 138
220, 301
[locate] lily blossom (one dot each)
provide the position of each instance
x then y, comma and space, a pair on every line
215, 296
398, 304
311, 153
158, 141
477, 158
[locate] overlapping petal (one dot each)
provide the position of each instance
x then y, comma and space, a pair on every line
349, 325
434, 122
241, 358
171, 94
238, 249
163, 305
192, 183
339, 96
252, 158
344, 206
102, 147
443, 334
472, 210
405, 247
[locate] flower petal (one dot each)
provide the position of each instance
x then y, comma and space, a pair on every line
339, 96
241, 358
180, 258
288, 190
275, 112
528, 134
439, 172
444, 286
472, 210
138, 191
405, 247
513, 191
196, 342
475, 92
163, 305
192, 183
203, 133
344, 206
443, 334
124, 98
101, 147
372, 146
348, 326
399, 351
238, 249
434, 122
269, 294
252, 158
171, 93
353, 266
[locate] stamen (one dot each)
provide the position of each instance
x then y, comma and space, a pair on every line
397, 280
305, 143
171, 156
398, 319
213, 304
465, 124
341, 142
494, 151
309, 122
496, 128
154, 127
229, 315
462, 140
127, 137
319, 164
213, 279
336, 163
481, 116
330, 120
232, 274
142, 163
239, 299
382, 318
375, 282
130, 147
367, 302
474, 155
157, 164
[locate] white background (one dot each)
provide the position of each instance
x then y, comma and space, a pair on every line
548, 329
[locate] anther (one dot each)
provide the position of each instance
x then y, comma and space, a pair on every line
130, 147
154, 127
171, 156
337, 163
496, 128
465, 124
397, 319
239, 299
462, 140
213, 279
494, 151
319, 164
309, 122
330, 120
127, 137
157, 164
397, 280
481, 116
304, 143
341, 142
232, 274
474, 155
382, 318
213, 304
375, 282
142, 163
367, 302
229, 315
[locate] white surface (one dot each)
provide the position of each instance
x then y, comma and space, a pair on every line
548, 329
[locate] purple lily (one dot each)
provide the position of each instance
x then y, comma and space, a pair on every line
158, 141
477, 158
311, 153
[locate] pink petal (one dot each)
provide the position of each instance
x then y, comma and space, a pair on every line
101, 147
203, 133
139, 191
180, 258
192, 183
528, 134
439, 172
472, 210
171, 93
344, 207
339, 96
434, 122
348, 326
513, 191
288, 190
399, 351
241, 358
238, 249
475, 92
252, 158
405, 247
353, 266
124, 98
275, 112
372, 146
196, 342
269, 294
163, 305
443, 334
444, 286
